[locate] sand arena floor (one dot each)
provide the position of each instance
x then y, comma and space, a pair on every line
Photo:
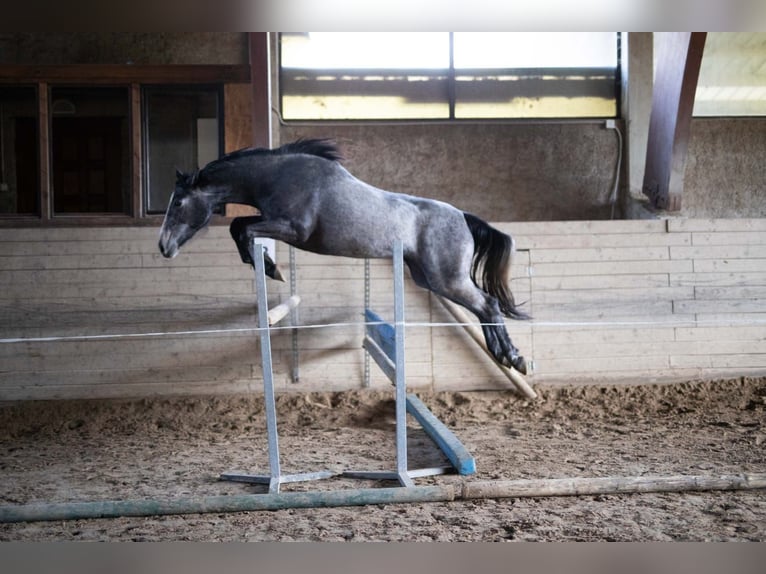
61, 451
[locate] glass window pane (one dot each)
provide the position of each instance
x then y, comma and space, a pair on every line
90, 150
378, 75
536, 50
365, 50
336, 76
732, 80
182, 132
19, 161
535, 74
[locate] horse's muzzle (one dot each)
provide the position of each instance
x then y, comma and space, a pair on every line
168, 246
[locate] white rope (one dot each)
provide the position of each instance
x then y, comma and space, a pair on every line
415, 324
171, 333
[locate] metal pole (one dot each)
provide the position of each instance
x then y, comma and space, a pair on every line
296, 371
366, 308
268, 378
401, 380
275, 477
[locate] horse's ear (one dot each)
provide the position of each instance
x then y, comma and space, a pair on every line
180, 176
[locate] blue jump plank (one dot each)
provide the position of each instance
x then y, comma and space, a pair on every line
384, 335
457, 454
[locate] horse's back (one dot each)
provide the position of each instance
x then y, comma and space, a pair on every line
356, 219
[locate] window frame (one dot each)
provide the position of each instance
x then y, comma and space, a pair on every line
714, 75
43, 78
49, 151
451, 97
145, 163
35, 88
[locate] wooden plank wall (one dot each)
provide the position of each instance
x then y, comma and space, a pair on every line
645, 301
624, 302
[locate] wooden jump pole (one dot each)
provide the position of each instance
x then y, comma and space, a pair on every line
610, 485
220, 504
513, 375
358, 497
279, 312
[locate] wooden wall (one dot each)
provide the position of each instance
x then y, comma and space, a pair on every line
644, 301
622, 302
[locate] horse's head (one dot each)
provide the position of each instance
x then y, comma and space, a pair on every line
189, 210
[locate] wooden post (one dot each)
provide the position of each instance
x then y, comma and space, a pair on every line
679, 55
46, 198
260, 81
259, 115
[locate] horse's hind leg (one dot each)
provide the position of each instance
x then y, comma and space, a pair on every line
496, 336
486, 308
508, 354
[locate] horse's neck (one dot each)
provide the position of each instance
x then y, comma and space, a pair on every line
242, 186
236, 194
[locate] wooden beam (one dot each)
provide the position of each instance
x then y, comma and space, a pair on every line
237, 117
260, 109
136, 164
46, 205
679, 55
260, 81
512, 374
142, 74
610, 485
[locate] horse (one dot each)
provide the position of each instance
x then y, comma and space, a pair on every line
307, 199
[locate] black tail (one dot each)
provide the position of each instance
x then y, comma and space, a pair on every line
492, 254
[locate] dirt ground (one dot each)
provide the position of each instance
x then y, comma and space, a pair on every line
163, 448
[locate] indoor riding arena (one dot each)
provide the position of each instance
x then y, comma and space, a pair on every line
167, 392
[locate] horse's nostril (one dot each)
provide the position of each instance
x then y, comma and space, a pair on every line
165, 250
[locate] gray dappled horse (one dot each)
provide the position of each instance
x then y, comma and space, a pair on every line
307, 199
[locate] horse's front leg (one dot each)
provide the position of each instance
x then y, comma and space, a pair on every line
242, 231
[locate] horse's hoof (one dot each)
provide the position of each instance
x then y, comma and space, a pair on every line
520, 364
271, 269
277, 274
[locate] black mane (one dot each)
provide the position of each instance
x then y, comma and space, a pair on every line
324, 148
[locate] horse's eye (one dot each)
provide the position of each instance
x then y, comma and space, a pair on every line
177, 203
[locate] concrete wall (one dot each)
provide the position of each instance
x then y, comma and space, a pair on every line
548, 171
505, 172
725, 168
620, 302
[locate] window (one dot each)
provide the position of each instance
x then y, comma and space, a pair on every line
442, 75
92, 135
19, 161
90, 150
353, 75
182, 131
732, 81
535, 74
